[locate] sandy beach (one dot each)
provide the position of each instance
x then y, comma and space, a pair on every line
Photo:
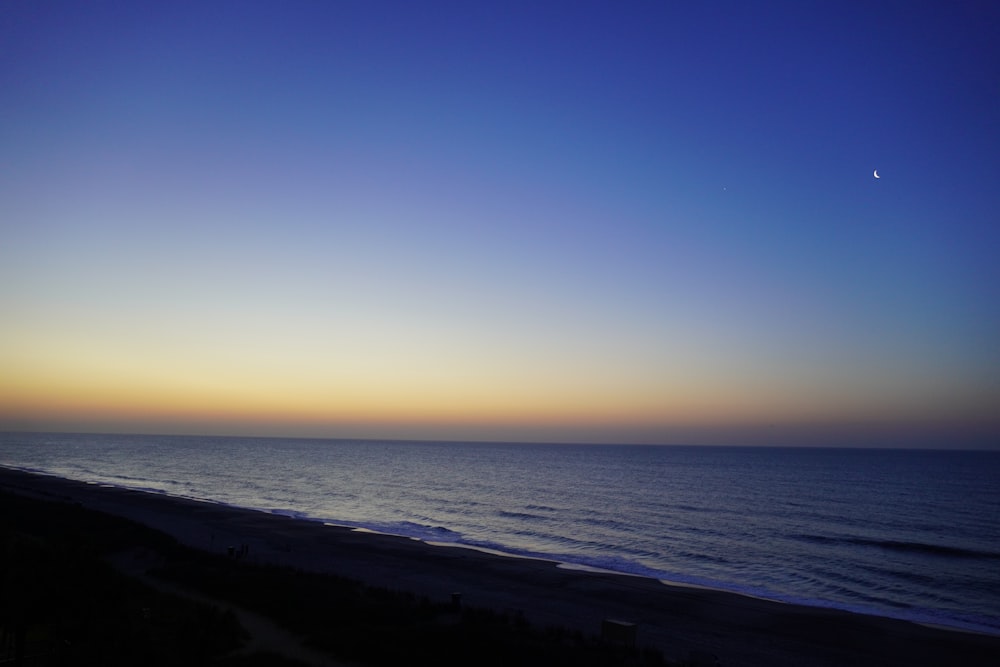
677, 620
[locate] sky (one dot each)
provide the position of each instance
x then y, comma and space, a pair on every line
624, 222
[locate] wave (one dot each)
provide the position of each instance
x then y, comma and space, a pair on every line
411, 529
903, 546
526, 516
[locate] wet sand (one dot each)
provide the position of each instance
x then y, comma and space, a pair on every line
678, 620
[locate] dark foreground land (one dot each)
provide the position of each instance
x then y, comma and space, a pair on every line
99, 575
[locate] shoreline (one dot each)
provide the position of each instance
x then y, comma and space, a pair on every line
676, 618
917, 619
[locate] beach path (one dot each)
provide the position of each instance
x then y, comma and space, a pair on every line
265, 635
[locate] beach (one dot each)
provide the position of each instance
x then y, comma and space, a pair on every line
679, 621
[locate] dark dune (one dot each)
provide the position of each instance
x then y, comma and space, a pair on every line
676, 620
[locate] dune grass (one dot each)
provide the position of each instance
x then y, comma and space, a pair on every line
61, 602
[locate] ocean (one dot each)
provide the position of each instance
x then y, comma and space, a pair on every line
911, 534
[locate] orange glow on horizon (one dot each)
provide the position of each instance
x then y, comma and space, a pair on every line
88, 382
497, 411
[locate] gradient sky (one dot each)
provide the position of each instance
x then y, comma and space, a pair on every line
551, 221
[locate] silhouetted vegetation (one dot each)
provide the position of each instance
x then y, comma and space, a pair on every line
69, 604
62, 603
376, 626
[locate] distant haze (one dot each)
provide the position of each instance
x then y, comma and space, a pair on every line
570, 222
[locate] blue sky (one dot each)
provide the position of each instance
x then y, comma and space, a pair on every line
624, 222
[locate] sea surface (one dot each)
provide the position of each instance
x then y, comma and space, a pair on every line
912, 534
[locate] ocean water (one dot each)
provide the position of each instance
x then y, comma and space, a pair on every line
911, 534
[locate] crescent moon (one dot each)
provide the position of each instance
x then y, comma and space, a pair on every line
876, 174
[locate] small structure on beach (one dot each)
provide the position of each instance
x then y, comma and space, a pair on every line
618, 632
